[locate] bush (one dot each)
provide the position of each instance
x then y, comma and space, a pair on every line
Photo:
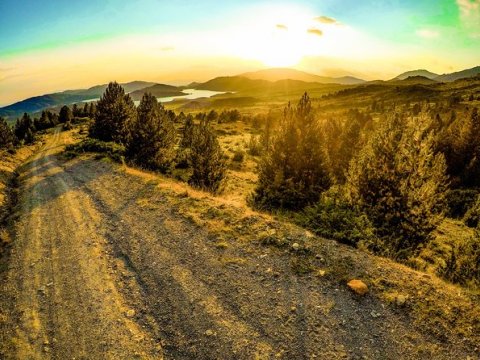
254, 146
333, 218
113, 150
239, 156
463, 264
472, 216
458, 202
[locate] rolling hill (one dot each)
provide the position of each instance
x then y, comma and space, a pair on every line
276, 74
39, 103
424, 73
158, 90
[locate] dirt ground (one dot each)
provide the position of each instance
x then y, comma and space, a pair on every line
108, 262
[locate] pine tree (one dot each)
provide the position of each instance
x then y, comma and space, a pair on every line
7, 138
399, 180
188, 130
85, 110
115, 110
152, 135
65, 114
293, 172
22, 126
206, 158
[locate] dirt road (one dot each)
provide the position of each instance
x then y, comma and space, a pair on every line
105, 266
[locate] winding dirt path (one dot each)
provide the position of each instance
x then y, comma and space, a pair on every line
106, 266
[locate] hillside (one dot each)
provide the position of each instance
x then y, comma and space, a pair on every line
158, 90
39, 103
414, 73
277, 74
145, 266
459, 75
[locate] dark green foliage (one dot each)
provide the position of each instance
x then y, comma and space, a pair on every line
239, 156
472, 215
212, 116
45, 122
24, 129
113, 150
458, 202
254, 147
399, 182
114, 111
460, 143
227, 116
293, 173
152, 136
188, 130
206, 159
463, 263
333, 218
7, 138
65, 115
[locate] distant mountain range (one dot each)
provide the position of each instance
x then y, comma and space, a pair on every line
440, 78
277, 74
278, 80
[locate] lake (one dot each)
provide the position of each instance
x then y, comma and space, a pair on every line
190, 94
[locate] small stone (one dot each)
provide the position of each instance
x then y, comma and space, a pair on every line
130, 313
400, 300
209, 332
295, 246
375, 314
358, 287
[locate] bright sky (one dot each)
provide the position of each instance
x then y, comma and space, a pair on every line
52, 45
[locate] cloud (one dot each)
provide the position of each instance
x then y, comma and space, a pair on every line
315, 31
326, 20
428, 33
470, 15
167, 48
281, 27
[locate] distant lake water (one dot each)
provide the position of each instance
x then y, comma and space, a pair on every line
190, 94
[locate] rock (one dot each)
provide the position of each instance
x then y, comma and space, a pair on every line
209, 332
295, 246
358, 287
375, 314
400, 300
130, 313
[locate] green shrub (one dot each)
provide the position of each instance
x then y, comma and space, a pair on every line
463, 263
472, 216
113, 150
458, 202
333, 218
239, 156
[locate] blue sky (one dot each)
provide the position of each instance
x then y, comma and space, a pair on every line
53, 44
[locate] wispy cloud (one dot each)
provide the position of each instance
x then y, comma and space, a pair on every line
428, 33
470, 15
315, 31
281, 27
326, 20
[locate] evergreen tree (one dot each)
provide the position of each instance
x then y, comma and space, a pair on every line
65, 114
293, 172
206, 158
152, 135
23, 126
85, 110
75, 111
399, 181
7, 138
188, 130
91, 110
115, 110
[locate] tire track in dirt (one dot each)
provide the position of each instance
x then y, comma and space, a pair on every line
67, 304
